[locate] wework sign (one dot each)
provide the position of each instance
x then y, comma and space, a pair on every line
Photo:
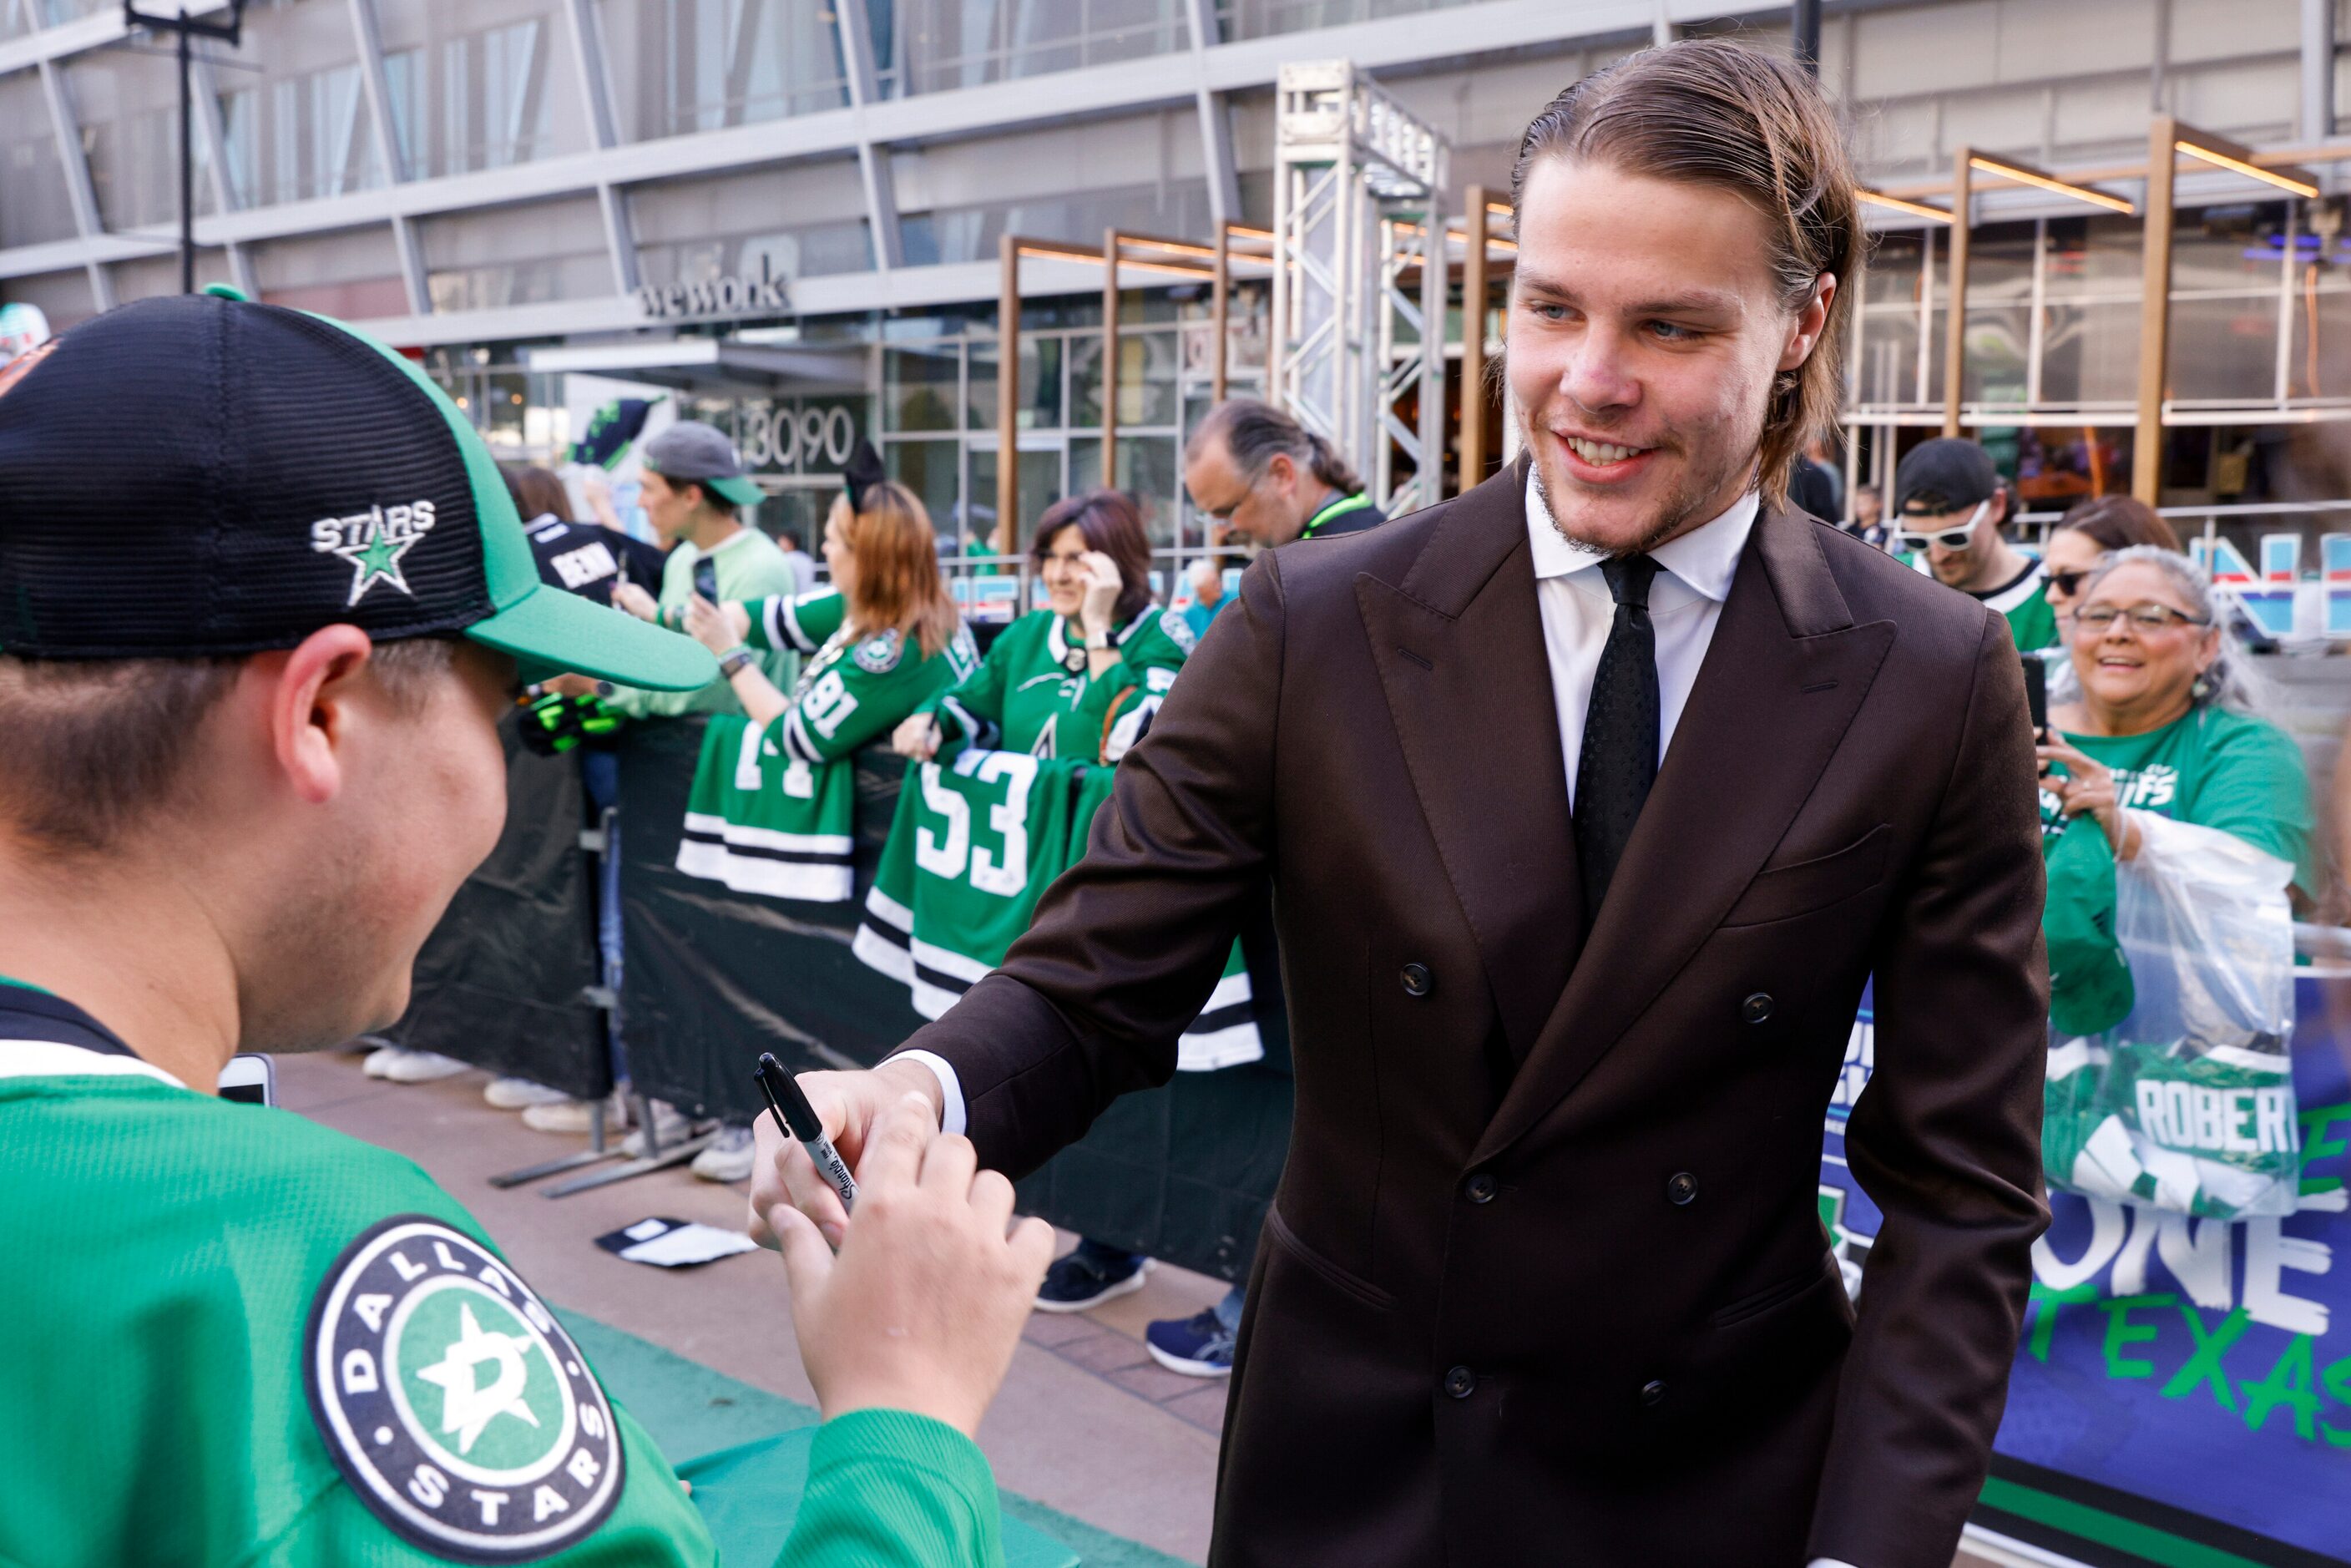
737, 293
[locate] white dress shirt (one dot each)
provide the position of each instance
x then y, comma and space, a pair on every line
1685, 602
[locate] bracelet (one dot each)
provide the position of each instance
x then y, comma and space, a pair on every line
736, 659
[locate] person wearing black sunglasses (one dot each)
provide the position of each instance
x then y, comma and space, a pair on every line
1949, 503
2087, 533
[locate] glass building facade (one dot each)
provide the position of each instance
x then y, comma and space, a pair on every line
482, 180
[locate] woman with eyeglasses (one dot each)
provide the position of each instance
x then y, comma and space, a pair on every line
2091, 532
2166, 722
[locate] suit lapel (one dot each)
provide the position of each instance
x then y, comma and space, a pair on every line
1459, 649
1785, 673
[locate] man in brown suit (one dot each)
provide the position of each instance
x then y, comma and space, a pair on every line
1544, 1281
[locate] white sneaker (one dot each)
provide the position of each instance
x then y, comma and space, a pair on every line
572, 1115
517, 1094
398, 1064
729, 1157
673, 1126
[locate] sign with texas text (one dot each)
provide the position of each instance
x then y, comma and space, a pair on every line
2183, 1391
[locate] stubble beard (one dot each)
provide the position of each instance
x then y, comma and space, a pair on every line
1689, 502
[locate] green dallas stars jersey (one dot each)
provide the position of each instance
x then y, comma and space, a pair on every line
2189, 1126
1033, 693
773, 807
2024, 601
244, 1338
241, 1337
976, 843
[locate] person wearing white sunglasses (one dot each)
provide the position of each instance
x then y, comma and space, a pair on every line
1949, 502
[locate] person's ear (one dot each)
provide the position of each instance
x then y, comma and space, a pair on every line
1282, 468
1810, 322
309, 709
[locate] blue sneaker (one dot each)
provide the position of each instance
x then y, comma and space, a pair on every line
1197, 1346
1088, 1277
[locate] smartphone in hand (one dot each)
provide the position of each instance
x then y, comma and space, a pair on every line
2036, 695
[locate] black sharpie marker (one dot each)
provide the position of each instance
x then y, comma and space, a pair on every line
799, 1118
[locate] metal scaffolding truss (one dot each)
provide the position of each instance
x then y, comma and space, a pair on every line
1358, 187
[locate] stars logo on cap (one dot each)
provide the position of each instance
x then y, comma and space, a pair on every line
373, 541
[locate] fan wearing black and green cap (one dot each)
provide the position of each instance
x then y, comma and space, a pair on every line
250, 671
693, 481
1949, 505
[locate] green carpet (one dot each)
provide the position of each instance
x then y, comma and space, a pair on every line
691, 1410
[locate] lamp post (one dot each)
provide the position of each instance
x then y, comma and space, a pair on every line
188, 27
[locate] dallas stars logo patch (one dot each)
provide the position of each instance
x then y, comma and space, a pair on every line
373, 541
455, 1405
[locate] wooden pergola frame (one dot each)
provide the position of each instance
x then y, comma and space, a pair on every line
2170, 140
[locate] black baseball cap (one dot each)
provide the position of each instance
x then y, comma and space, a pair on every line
1942, 475
202, 474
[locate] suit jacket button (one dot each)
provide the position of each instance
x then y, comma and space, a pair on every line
1460, 1382
1652, 1393
1680, 1187
1416, 979
1482, 1188
1756, 1008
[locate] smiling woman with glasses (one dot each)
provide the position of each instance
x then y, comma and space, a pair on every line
2165, 721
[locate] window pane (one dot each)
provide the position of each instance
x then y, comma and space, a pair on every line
1889, 367
1041, 386
1238, 19
1997, 344
34, 206
485, 84
2090, 353
292, 108
1146, 471
128, 108
931, 46
2224, 348
2094, 255
918, 388
928, 469
682, 66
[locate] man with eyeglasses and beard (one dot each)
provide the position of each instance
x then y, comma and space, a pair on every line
1949, 503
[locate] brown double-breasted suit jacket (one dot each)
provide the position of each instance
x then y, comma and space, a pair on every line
1545, 1281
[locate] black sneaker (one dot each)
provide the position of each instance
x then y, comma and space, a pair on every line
1083, 1279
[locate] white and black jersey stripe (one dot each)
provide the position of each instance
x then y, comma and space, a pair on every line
983, 734
815, 868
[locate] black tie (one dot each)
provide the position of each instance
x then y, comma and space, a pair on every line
1619, 760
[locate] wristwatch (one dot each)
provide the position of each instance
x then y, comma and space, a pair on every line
736, 659
1097, 642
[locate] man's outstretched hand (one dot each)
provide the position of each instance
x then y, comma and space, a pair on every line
921, 1308
848, 1105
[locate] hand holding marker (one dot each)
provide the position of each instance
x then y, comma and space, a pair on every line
799, 1118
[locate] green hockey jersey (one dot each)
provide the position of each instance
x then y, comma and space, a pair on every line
773, 807
2194, 1125
1033, 692
239, 1337
975, 843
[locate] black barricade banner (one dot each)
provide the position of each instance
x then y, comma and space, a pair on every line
713, 978
503, 981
